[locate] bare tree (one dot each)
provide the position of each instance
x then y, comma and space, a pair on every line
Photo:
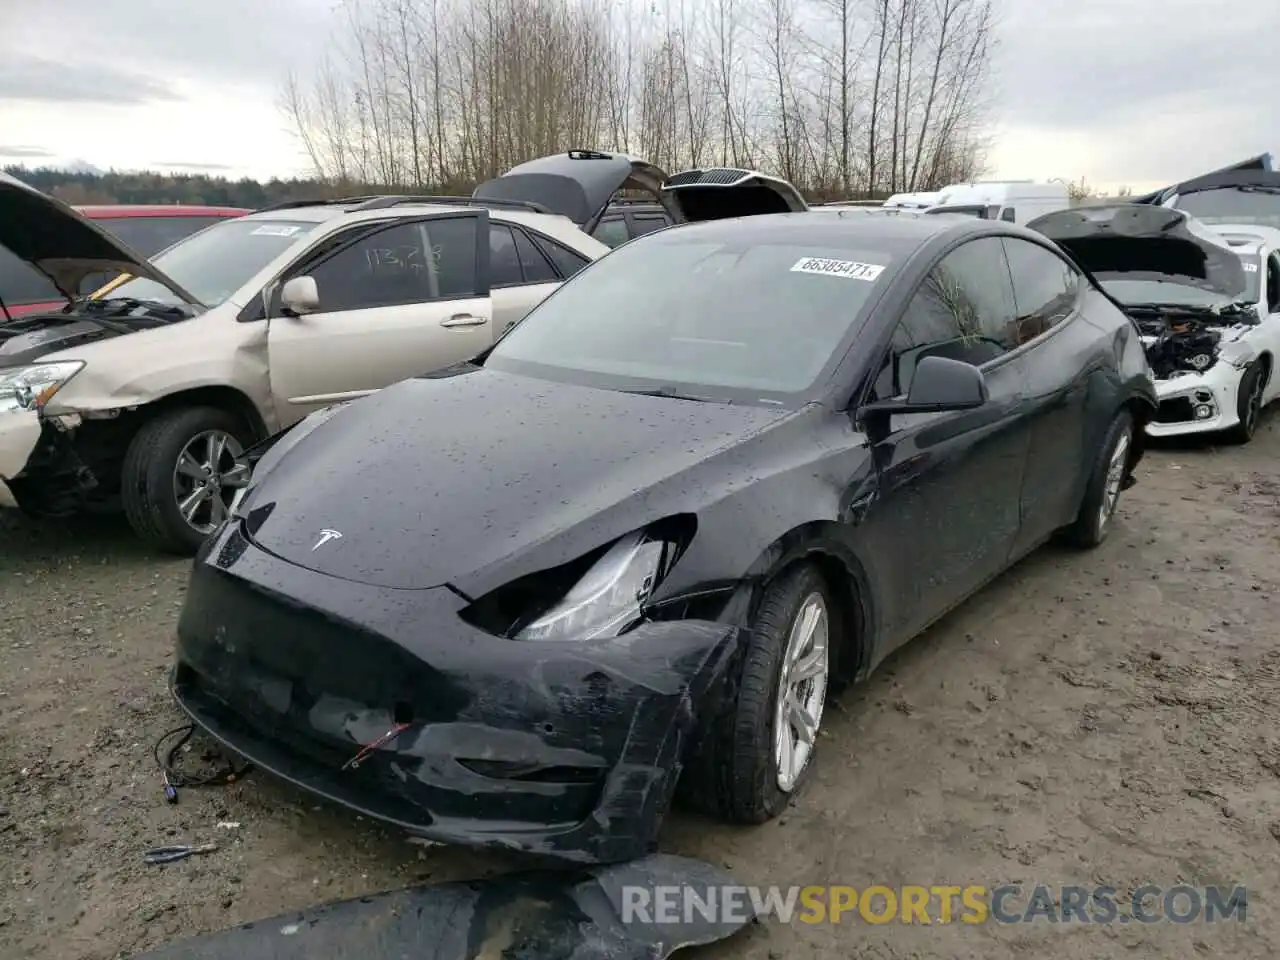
840, 96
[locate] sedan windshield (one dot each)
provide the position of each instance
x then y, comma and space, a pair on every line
1244, 204
215, 263
681, 313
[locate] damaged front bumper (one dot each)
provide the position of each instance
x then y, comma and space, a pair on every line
565, 749
19, 433
1197, 402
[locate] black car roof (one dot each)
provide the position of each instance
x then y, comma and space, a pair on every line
897, 232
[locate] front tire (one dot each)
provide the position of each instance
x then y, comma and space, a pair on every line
761, 752
1249, 403
1106, 480
180, 472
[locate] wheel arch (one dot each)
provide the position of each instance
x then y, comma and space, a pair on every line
223, 397
1142, 409
824, 544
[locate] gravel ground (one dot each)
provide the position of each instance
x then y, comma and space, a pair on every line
1090, 718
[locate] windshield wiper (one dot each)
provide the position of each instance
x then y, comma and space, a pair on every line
669, 392
158, 313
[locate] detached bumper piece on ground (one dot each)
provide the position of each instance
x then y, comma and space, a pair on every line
551, 916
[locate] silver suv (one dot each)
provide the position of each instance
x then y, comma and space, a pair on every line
146, 394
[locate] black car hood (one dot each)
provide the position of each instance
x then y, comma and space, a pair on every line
1142, 242
446, 479
63, 245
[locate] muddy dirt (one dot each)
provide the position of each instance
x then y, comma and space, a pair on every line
1102, 718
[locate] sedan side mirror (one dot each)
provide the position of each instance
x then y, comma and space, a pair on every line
938, 385
300, 296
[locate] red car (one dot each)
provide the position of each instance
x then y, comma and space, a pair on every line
147, 229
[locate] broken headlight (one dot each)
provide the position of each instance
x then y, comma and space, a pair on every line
610, 595
597, 596
30, 388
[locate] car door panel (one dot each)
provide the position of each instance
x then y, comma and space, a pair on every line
946, 511
946, 508
1059, 351
406, 299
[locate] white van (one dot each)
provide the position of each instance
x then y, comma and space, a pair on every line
1015, 201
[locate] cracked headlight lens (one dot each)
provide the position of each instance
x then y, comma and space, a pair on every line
30, 388
609, 596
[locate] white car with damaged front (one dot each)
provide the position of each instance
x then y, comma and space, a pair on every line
1206, 301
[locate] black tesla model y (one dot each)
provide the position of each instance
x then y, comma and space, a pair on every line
626, 553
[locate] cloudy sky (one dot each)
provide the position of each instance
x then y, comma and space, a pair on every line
1136, 92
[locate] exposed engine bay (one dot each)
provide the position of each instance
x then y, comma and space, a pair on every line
1186, 339
29, 338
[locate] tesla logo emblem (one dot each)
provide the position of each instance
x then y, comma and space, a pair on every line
325, 536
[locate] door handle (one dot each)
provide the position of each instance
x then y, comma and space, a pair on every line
464, 320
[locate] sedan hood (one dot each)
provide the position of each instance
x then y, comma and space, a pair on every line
1142, 242
444, 479
63, 245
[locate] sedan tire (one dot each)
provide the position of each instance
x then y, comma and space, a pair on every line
760, 752
1106, 481
180, 473
1249, 403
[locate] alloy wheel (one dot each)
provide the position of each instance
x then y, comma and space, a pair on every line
1115, 480
206, 477
802, 691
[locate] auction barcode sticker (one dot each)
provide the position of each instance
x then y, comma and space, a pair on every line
275, 230
1250, 268
848, 269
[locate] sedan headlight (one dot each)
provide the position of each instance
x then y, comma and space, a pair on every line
30, 388
609, 596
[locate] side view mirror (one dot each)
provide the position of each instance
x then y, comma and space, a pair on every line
300, 296
938, 385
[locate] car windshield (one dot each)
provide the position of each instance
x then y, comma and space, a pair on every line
1168, 292
677, 312
215, 263
1233, 205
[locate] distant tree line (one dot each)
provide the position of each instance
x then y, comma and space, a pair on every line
76, 187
